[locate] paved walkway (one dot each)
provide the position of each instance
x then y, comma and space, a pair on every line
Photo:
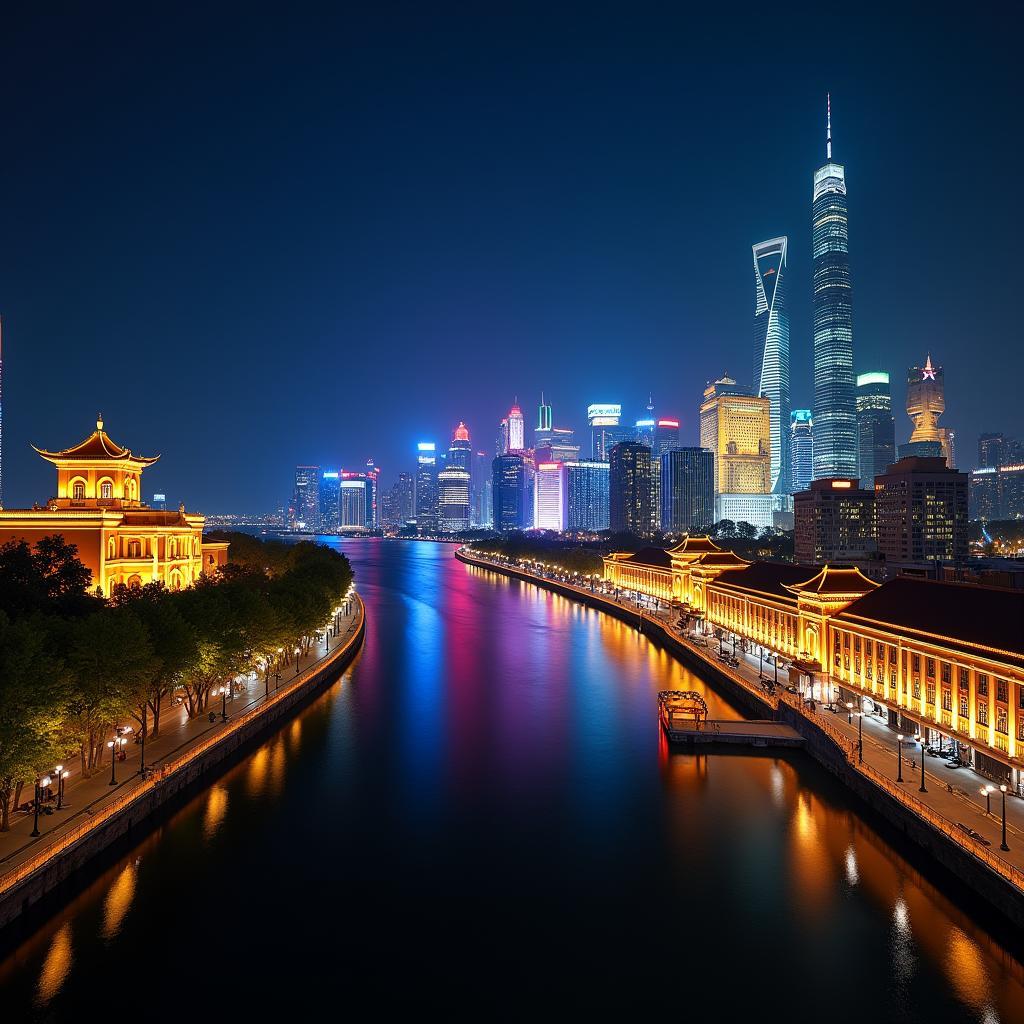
83, 796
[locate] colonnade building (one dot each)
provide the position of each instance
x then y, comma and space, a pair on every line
931, 658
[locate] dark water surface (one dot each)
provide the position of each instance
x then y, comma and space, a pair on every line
481, 816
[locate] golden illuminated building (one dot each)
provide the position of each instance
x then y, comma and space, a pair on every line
735, 427
99, 509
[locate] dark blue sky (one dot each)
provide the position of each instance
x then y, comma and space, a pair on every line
254, 240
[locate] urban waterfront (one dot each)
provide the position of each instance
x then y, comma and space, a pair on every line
484, 804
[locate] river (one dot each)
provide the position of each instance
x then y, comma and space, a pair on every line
481, 815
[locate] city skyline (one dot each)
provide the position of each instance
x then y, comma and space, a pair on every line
488, 251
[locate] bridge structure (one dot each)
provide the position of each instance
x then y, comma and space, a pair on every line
684, 718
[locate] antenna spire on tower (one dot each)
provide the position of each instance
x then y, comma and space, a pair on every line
828, 128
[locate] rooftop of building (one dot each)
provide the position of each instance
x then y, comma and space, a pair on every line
966, 616
772, 578
835, 580
657, 557
920, 464
695, 545
98, 446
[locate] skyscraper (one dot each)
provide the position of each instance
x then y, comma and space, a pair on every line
771, 351
801, 449
460, 450
330, 501
666, 436
481, 486
307, 499
991, 450
549, 496
687, 490
543, 432
835, 412
587, 498
405, 504
605, 430
453, 484
508, 490
735, 427
926, 402
516, 429
426, 487
354, 492
630, 488
876, 429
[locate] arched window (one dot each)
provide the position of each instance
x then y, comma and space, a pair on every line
78, 491
175, 580
135, 582
106, 489
129, 488
134, 549
111, 548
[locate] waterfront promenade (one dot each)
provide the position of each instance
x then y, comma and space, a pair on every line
92, 800
952, 798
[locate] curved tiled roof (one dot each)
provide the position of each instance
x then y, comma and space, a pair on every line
835, 579
695, 545
720, 559
774, 578
657, 557
97, 446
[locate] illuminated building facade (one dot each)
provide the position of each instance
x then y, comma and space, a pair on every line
543, 433
735, 427
306, 503
549, 494
997, 492
760, 510
876, 429
330, 501
926, 401
834, 522
353, 506
835, 413
99, 509
921, 511
508, 487
480, 490
666, 435
516, 429
587, 495
991, 450
453, 499
605, 429
427, 511
801, 449
771, 352
687, 490
630, 488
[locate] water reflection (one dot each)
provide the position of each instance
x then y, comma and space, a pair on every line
56, 965
216, 809
119, 900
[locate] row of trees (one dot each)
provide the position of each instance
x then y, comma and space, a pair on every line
73, 666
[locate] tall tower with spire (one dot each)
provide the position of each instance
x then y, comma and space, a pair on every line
835, 404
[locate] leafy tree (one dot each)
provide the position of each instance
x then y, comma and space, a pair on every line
48, 579
746, 531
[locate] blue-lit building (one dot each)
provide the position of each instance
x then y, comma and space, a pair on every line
801, 449
305, 506
629, 487
876, 429
587, 500
330, 501
771, 351
426, 487
835, 410
687, 490
508, 492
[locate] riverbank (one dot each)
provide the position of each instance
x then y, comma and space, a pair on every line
997, 879
35, 870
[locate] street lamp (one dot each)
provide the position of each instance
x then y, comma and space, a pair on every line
223, 703
115, 744
142, 741
987, 793
298, 652
59, 771
1002, 845
41, 784
277, 668
920, 738
849, 712
860, 736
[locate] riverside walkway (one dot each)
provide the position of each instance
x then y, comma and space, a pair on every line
952, 801
92, 798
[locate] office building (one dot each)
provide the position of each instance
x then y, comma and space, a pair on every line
353, 491
991, 450
605, 429
587, 495
480, 491
630, 488
666, 436
771, 352
997, 492
427, 512
643, 432
765, 511
687, 490
460, 450
306, 502
835, 412
330, 501
801, 449
876, 428
453, 499
549, 496
508, 489
516, 429
834, 521
921, 511
543, 433
735, 427
926, 402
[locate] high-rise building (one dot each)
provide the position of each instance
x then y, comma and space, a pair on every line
876, 429
630, 488
405, 505
735, 427
991, 450
834, 522
771, 351
947, 438
666, 436
921, 511
353, 503
480, 490
330, 501
516, 429
307, 499
453, 484
427, 511
926, 402
761, 510
644, 432
509, 492
835, 412
801, 449
605, 429
997, 492
543, 433
549, 496
587, 493
687, 490
460, 450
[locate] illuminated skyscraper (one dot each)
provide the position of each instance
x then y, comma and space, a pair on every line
549, 496
543, 433
509, 492
307, 499
771, 351
735, 427
687, 490
516, 429
926, 402
630, 488
587, 495
605, 430
453, 484
460, 450
835, 411
666, 436
354, 492
330, 501
876, 431
801, 449
481, 486
426, 487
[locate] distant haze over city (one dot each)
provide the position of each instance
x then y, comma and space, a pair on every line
328, 240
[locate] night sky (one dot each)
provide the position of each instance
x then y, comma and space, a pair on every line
256, 240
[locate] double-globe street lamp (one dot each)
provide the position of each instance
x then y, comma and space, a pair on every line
61, 774
115, 745
41, 784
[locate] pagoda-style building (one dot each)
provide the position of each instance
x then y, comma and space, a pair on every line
99, 509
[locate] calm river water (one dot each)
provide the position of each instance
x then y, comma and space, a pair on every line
481, 816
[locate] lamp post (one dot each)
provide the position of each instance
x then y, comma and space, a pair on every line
223, 703
142, 741
298, 652
277, 668
59, 771
115, 744
1002, 845
760, 660
860, 736
41, 784
920, 739
987, 793
849, 712
899, 757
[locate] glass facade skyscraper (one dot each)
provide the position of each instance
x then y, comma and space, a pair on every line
801, 449
876, 430
835, 412
508, 489
771, 351
630, 488
586, 495
687, 490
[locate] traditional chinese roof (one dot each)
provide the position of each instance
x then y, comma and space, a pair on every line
772, 578
98, 446
720, 560
657, 557
964, 616
695, 546
835, 579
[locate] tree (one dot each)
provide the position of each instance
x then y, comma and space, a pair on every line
746, 530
